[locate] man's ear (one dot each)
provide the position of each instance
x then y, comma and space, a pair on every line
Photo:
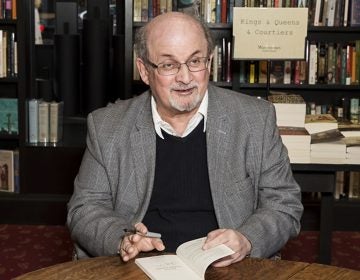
210, 62
144, 74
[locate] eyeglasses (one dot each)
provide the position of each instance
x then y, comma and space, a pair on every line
170, 67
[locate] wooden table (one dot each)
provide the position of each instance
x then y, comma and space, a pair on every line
107, 268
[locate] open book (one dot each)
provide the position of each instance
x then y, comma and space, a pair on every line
190, 261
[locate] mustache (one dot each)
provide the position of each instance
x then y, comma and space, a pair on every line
184, 87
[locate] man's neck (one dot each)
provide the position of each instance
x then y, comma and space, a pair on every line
180, 121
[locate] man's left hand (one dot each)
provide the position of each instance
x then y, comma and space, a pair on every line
231, 238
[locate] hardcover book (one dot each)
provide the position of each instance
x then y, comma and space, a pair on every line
33, 117
190, 261
6, 170
9, 116
355, 13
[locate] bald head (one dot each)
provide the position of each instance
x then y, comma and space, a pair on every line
169, 27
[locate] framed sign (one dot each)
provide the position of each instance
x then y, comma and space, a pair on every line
269, 33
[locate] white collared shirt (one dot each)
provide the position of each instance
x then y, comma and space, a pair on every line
194, 121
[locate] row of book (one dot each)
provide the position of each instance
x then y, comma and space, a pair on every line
326, 63
347, 111
45, 121
334, 12
9, 171
8, 54
211, 11
8, 9
321, 12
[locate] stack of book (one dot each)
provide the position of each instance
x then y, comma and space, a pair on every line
290, 109
328, 144
352, 140
290, 118
297, 141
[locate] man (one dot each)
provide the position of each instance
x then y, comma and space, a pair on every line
185, 159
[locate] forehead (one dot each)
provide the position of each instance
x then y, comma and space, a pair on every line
175, 37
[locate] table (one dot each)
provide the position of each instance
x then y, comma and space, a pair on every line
108, 268
321, 177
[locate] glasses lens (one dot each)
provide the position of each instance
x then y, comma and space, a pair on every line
171, 68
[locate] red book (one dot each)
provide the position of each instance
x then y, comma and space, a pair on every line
223, 11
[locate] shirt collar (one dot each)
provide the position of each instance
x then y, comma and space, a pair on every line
194, 121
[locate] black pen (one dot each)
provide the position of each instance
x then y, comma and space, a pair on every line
148, 234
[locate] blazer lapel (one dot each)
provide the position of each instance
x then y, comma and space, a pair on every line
218, 137
143, 149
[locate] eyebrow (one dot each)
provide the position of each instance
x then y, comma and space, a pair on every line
169, 56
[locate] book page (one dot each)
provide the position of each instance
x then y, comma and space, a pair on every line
197, 259
165, 267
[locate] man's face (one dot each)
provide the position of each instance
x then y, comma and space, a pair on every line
176, 41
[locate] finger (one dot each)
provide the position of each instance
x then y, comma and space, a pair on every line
158, 244
215, 238
228, 260
215, 233
141, 228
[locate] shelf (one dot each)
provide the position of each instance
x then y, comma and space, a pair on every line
4, 22
74, 135
10, 80
9, 136
334, 29
317, 87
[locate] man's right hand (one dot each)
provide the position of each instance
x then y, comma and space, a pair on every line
133, 244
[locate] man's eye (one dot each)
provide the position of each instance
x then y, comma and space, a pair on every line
167, 66
195, 61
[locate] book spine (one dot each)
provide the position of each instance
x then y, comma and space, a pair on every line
287, 72
354, 110
33, 107
44, 132
16, 172
312, 64
56, 121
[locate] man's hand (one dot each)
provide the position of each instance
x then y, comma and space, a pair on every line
231, 238
133, 244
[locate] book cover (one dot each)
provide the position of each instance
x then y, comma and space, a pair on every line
190, 261
354, 184
326, 136
9, 116
355, 13
277, 72
191, 7
6, 170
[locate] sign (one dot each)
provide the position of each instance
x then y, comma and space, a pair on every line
269, 33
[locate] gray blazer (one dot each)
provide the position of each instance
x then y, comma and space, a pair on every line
251, 181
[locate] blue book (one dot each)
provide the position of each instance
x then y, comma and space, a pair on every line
9, 116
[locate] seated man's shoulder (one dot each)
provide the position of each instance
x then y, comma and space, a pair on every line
122, 109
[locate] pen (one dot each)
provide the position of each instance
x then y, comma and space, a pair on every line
148, 234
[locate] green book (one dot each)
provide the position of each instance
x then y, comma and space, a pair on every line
9, 116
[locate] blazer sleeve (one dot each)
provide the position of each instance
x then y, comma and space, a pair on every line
91, 219
277, 214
